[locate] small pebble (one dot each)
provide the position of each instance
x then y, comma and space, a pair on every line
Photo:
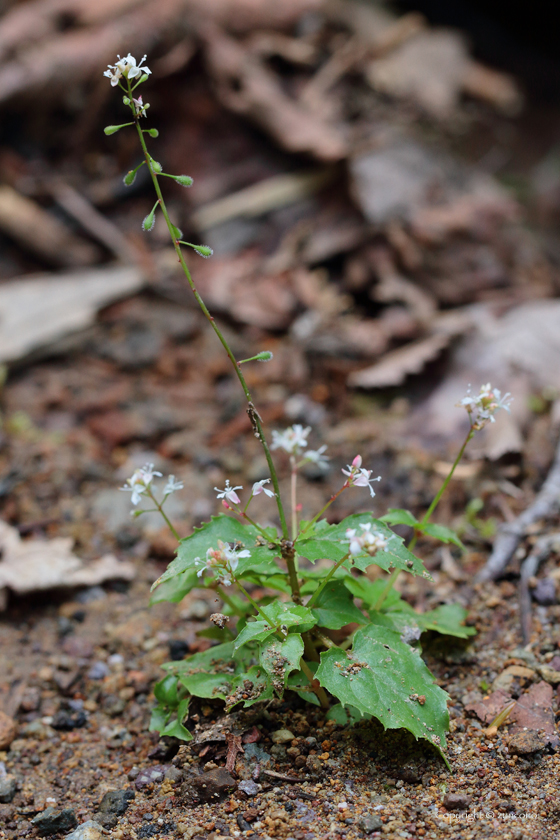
249, 788
544, 592
282, 736
52, 821
8, 787
456, 801
89, 830
7, 731
370, 823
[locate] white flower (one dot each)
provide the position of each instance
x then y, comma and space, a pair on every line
368, 542
139, 482
315, 456
125, 67
222, 561
139, 106
172, 485
229, 493
291, 440
258, 487
114, 74
481, 409
359, 477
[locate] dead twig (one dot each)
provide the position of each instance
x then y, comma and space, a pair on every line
510, 534
77, 206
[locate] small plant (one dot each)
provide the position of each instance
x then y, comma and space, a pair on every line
282, 641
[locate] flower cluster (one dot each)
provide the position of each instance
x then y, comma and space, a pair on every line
368, 542
359, 477
140, 481
481, 409
293, 440
139, 484
126, 67
222, 561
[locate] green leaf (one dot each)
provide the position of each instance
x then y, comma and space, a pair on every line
369, 591
279, 659
298, 682
280, 615
441, 533
175, 589
208, 674
227, 529
387, 679
334, 608
160, 716
399, 516
165, 691
448, 619
217, 634
174, 729
332, 543
250, 687
345, 716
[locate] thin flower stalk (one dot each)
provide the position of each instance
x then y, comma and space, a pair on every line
253, 414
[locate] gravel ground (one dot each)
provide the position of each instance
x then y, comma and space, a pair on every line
80, 673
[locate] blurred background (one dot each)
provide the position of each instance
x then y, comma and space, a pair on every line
381, 188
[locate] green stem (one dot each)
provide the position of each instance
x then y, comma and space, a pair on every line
227, 600
160, 509
294, 499
253, 603
388, 586
442, 489
426, 518
325, 581
320, 692
324, 508
253, 414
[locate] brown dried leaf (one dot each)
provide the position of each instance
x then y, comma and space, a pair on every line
247, 86
35, 565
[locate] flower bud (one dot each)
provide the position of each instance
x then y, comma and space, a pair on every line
203, 250
184, 180
263, 356
112, 129
156, 167
177, 232
130, 178
143, 78
149, 220
126, 100
153, 132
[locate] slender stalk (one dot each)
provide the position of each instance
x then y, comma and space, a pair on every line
328, 643
253, 414
326, 580
425, 519
294, 498
252, 602
324, 508
443, 487
160, 509
227, 600
320, 692
388, 586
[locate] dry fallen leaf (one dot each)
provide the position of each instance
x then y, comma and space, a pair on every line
36, 311
36, 565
